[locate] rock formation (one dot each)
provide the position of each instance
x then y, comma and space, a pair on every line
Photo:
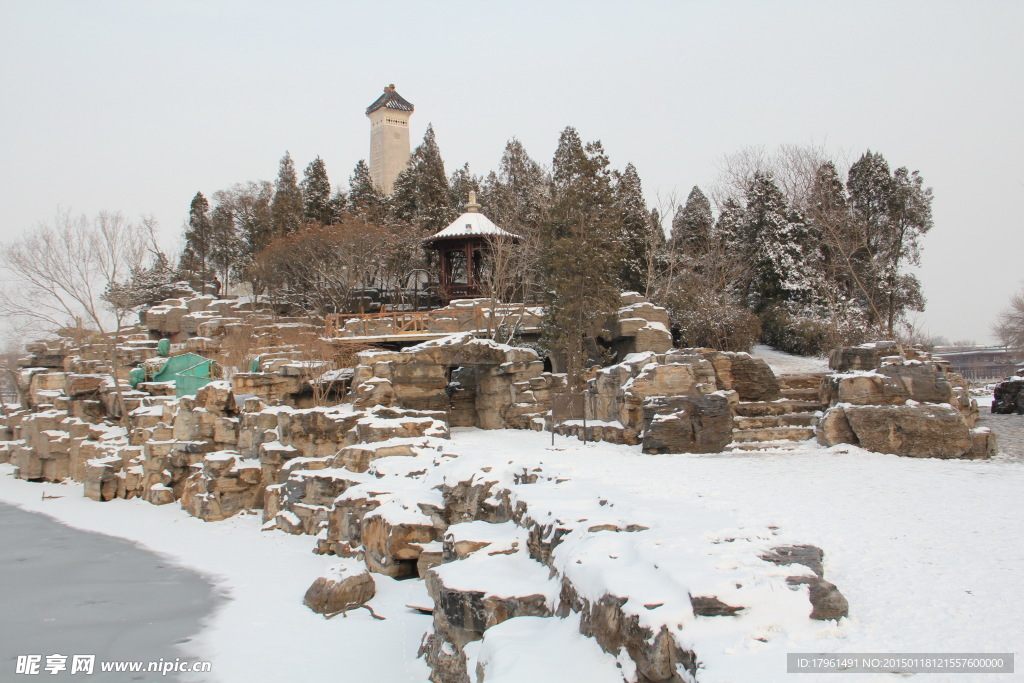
907, 404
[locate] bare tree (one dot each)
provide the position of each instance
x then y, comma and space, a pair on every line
794, 168
1009, 326
63, 270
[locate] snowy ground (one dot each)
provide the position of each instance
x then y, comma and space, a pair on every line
927, 552
781, 362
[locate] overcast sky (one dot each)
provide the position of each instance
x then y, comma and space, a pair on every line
134, 106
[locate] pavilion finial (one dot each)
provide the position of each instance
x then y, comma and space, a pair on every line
472, 206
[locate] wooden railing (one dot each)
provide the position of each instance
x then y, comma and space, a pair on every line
443, 321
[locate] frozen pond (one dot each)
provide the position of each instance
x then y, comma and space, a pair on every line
69, 592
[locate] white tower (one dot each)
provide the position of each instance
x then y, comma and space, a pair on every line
389, 138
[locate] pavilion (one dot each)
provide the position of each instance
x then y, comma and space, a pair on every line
466, 248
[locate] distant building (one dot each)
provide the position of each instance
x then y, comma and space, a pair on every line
389, 138
982, 363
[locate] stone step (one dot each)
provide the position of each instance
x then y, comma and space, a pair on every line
773, 434
767, 421
805, 394
801, 380
784, 407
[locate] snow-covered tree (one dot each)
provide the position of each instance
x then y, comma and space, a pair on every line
890, 212
316, 194
634, 229
692, 224
774, 239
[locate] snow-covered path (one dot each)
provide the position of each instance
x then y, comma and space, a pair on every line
781, 362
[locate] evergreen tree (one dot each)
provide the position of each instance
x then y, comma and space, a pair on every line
634, 229
195, 257
337, 206
316, 194
692, 225
890, 212
514, 197
462, 183
286, 208
729, 226
774, 239
582, 255
829, 218
421, 194
364, 199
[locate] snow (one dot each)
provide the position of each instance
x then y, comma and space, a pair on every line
502, 576
926, 551
784, 363
471, 223
920, 572
265, 575
543, 650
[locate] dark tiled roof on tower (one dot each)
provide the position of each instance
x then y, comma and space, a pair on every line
391, 100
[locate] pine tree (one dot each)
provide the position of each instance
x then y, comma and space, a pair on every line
582, 255
829, 219
316, 194
462, 183
337, 206
692, 225
772, 236
514, 197
634, 229
364, 199
421, 194
890, 211
286, 208
195, 257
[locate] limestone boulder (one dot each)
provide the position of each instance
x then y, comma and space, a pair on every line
891, 384
653, 336
84, 386
656, 652
481, 591
687, 424
222, 485
393, 536
864, 357
749, 377
268, 386
317, 431
913, 430
342, 587
217, 397
101, 478
983, 443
